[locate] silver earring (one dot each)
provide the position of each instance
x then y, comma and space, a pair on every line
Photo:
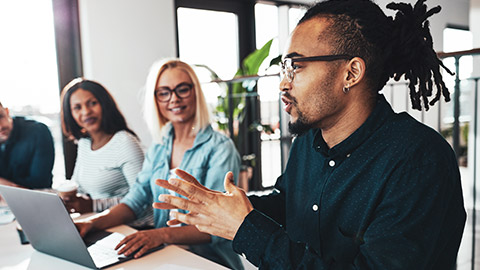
346, 89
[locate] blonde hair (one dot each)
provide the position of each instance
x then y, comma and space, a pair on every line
156, 122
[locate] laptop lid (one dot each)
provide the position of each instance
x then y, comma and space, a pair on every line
47, 224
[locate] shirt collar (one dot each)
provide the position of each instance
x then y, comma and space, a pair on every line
15, 130
375, 120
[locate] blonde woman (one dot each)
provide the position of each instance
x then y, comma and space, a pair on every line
177, 116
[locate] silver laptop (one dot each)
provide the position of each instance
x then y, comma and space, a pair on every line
50, 230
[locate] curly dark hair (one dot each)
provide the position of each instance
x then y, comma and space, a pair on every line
390, 47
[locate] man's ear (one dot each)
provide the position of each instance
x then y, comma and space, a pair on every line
355, 72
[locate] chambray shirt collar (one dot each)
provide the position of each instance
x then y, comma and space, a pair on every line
379, 115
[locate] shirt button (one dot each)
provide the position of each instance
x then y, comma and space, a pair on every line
331, 163
315, 207
348, 155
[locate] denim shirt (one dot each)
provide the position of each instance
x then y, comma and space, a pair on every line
211, 157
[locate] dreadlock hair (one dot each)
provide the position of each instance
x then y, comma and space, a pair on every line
112, 119
390, 47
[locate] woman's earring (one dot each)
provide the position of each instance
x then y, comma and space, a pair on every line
346, 89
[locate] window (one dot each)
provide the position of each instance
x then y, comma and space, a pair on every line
455, 39
220, 34
268, 26
29, 67
215, 35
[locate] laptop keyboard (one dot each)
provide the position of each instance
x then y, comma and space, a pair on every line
103, 252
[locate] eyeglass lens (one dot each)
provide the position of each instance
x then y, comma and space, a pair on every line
287, 69
164, 94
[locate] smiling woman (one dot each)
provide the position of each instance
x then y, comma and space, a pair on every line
109, 153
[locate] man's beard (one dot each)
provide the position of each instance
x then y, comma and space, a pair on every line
299, 127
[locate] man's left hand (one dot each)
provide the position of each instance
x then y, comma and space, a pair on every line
210, 211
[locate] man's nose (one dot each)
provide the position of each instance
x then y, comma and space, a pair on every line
284, 84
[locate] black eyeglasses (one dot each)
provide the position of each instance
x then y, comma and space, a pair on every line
164, 94
288, 68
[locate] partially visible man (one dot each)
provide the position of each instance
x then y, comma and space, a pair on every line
26, 152
364, 187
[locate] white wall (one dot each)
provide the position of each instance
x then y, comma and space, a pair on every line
120, 40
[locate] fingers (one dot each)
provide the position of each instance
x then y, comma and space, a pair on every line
179, 203
192, 192
141, 252
163, 206
189, 178
186, 176
173, 222
130, 244
124, 240
167, 185
66, 198
229, 183
201, 222
83, 229
184, 218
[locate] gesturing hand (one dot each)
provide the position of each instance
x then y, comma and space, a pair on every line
210, 211
141, 241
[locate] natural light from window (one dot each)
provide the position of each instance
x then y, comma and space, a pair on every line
29, 66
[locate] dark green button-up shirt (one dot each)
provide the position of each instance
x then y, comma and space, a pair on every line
387, 197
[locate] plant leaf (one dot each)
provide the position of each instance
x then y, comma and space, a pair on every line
252, 62
276, 61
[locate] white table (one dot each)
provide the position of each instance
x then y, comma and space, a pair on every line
13, 255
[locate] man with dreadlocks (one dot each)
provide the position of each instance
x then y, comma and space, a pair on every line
364, 187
